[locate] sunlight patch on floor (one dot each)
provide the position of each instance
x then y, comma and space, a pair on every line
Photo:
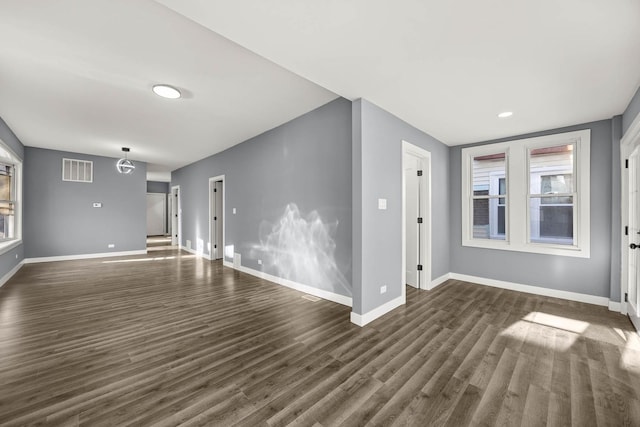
557, 322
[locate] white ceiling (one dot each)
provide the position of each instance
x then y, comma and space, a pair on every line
449, 67
77, 75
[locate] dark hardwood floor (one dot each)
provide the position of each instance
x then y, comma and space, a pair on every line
167, 339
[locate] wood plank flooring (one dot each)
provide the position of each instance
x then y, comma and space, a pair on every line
171, 339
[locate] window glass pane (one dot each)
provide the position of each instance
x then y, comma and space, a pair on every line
4, 223
502, 189
551, 223
488, 219
5, 187
556, 184
551, 170
501, 220
484, 167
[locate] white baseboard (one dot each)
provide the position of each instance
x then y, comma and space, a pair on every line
227, 263
537, 290
331, 296
10, 274
439, 281
191, 251
615, 306
363, 319
82, 256
196, 253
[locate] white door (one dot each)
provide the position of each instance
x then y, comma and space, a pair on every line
218, 213
156, 210
412, 212
633, 294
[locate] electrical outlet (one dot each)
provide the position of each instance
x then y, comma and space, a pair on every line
383, 289
259, 262
16, 256
111, 246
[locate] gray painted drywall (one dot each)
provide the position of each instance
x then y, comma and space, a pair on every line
616, 219
304, 163
586, 276
14, 256
378, 137
157, 187
59, 218
633, 109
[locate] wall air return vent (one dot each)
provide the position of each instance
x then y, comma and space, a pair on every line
77, 170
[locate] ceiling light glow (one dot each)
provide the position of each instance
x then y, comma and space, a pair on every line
166, 91
505, 114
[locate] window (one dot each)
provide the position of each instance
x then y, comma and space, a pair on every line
10, 180
528, 195
7, 202
489, 195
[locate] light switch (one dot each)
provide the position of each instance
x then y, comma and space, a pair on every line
382, 204
234, 211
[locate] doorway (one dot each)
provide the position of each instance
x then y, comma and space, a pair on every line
416, 217
216, 217
176, 216
156, 214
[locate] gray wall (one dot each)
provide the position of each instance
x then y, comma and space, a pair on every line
633, 109
291, 187
587, 276
377, 173
59, 218
157, 187
13, 257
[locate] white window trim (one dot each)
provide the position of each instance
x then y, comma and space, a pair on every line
517, 227
7, 155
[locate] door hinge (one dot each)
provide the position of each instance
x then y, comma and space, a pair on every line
626, 163
419, 267
215, 190
419, 220
419, 173
626, 297
215, 218
626, 230
215, 246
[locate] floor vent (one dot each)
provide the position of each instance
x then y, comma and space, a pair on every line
310, 298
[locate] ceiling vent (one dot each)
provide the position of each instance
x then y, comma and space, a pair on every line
77, 170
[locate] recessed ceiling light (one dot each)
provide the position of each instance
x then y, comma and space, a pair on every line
505, 114
166, 91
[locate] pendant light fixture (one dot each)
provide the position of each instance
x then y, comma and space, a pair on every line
125, 165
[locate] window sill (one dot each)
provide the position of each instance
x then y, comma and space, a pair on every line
8, 245
535, 248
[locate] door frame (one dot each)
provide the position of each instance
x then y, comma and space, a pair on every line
630, 140
212, 182
425, 207
175, 190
